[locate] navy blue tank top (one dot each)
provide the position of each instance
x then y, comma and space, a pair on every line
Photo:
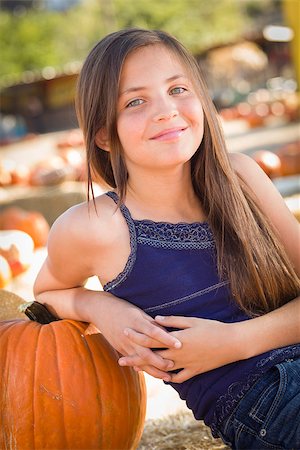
172, 270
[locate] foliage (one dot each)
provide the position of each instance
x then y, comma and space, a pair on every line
43, 37
199, 24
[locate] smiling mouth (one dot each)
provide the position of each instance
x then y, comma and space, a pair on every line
171, 134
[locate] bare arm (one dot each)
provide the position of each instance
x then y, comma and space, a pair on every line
72, 252
282, 326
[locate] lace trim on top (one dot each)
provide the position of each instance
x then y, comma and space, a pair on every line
178, 236
226, 404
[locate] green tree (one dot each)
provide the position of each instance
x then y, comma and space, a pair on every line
40, 38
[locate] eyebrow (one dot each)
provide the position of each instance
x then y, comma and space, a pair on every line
141, 88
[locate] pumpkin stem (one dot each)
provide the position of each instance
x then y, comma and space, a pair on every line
38, 313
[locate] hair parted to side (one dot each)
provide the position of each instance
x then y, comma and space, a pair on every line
249, 253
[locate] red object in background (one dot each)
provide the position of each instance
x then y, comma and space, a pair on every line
31, 222
20, 175
269, 162
290, 158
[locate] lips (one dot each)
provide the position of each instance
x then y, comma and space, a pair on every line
169, 134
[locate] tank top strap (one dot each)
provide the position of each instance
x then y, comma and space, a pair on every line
133, 243
124, 210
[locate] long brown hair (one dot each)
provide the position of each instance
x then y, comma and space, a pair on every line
249, 253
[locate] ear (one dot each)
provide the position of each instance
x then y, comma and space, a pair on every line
101, 139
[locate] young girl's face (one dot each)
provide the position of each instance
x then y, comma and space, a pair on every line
160, 117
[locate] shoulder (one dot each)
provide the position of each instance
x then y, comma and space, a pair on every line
252, 174
85, 228
80, 244
243, 164
271, 204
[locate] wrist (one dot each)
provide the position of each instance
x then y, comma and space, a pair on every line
95, 306
243, 342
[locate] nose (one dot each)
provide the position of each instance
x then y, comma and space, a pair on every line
165, 111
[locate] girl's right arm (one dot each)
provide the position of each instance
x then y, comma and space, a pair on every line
73, 250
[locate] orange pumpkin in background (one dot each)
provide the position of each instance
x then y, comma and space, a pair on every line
269, 162
31, 222
64, 389
290, 158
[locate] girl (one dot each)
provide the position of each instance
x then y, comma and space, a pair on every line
196, 251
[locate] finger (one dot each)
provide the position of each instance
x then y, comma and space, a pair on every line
142, 339
151, 358
155, 372
136, 360
181, 376
159, 334
166, 354
175, 321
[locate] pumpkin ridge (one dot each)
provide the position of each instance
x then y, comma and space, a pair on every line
38, 335
81, 327
4, 390
18, 349
51, 327
12, 348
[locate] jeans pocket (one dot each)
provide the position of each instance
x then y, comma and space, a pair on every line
263, 409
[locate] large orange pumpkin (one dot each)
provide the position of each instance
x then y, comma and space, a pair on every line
62, 388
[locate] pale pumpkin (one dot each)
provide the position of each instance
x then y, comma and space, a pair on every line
5, 272
17, 248
62, 388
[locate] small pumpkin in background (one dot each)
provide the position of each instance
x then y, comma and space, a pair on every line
62, 387
51, 171
269, 162
290, 158
31, 222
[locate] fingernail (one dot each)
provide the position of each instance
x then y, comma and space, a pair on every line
166, 378
121, 362
159, 317
170, 365
177, 344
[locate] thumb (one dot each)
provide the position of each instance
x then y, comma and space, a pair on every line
174, 321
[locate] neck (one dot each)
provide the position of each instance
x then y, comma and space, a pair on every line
167, 197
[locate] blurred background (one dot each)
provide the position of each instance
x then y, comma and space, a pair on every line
249, 54
247, 50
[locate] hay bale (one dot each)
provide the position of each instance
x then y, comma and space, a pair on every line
10, 304
178, 431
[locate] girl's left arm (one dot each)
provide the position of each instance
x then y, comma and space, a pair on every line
280, 327
225, 343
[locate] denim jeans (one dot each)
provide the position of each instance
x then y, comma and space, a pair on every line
268, 416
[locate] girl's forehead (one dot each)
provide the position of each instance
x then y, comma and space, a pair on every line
149, 59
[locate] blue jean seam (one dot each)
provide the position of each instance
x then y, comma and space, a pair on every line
278, 398
255, 410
